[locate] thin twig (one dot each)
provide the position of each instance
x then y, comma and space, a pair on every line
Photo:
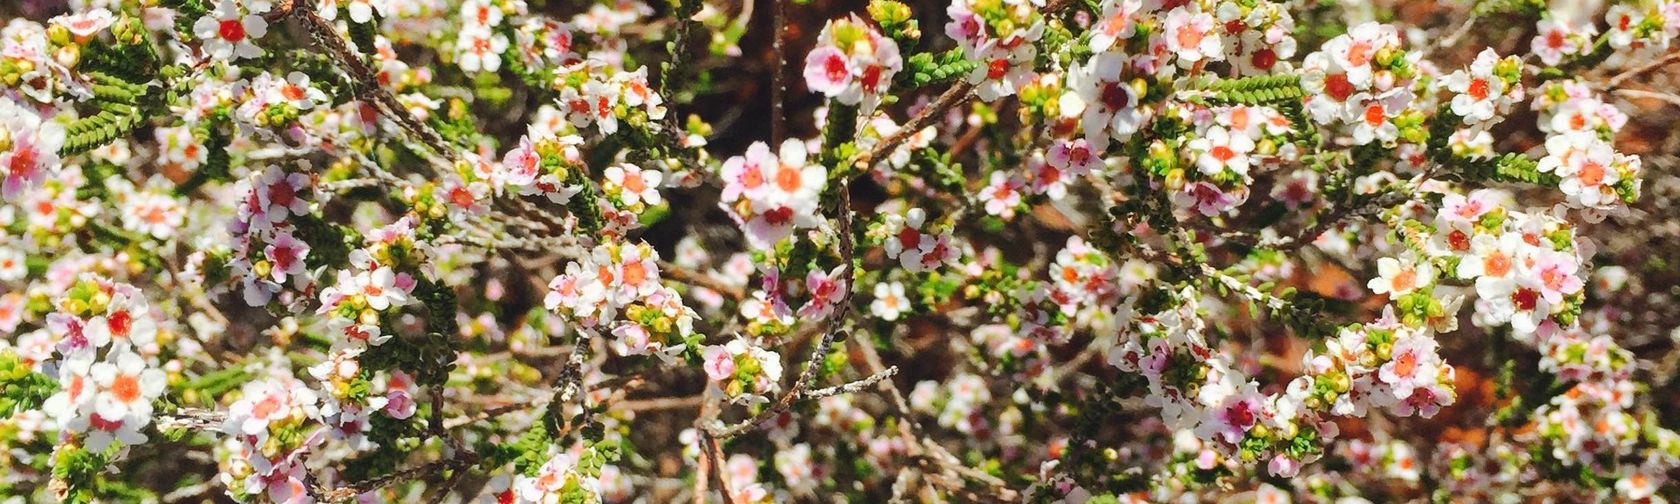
958, 94
1623, 77
709, 445
368, 82
193, 419
778, 79
849, 388
1668, 98
787, 399
571, 377
698, 279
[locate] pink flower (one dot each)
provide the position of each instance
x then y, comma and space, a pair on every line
827, 290
1284, 467
827, 71
285, 254
719, 363
1002, 196
1075, 156
1206, 198
1413, 364
32, 150
1557, 276
399, 404
84, 25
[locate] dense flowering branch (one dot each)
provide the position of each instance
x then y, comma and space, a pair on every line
1114, 251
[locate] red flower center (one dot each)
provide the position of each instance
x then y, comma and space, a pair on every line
1526, 299
1338, 87
1264, 59
779, 216
835, 68
231, 30
1116, 97
1458, 241
1479, 89
1222, 153
997, 69
120, 323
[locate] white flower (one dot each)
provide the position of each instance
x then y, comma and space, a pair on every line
480, 14
361, 11
1220, 150
1479, 93
1101, 97
153, 214
480, 50
228, 35
889, 301
379, 289
1192, 37
636, 185
1556, 39
126, 387
12, 264
1397, 277
1117, 23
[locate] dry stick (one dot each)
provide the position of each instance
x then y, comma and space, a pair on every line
698, 279
571, 377
709, 445
849, 388
493, 412
368, 83
1463, 29
660, 403
906, 480
443, 491
460, 460
703, 479
923, 448
1623, 77
958, 94
778, 81
194, 419
1668, 98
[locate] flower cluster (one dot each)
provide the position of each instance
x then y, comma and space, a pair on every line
268, 255
616, 289
270, 432
1591, 173
1001, 37
104, 334
852, 63
743, 369
771, 194
1363, 79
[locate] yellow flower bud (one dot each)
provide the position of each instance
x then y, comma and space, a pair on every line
68, 56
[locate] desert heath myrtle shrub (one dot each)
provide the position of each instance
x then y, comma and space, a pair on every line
1100, 251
